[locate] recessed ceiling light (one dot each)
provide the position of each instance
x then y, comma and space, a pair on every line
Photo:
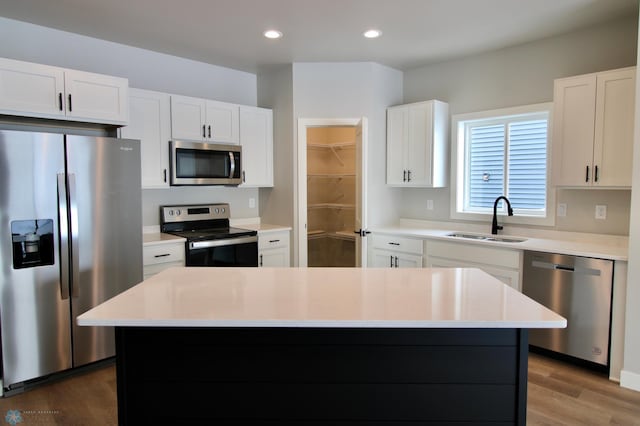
372, 33
272, 34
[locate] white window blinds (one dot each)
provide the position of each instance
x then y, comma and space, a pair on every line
506, 156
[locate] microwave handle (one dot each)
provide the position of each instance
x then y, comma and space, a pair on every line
232, 161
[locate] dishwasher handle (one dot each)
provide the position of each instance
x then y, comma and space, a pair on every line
565, 268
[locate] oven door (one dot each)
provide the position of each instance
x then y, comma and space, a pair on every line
241, 251
194, 163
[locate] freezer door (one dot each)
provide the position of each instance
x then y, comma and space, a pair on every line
106, 232
34, 303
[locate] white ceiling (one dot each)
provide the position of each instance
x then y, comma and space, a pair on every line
229, 32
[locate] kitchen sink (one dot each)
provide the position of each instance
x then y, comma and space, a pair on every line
487, 237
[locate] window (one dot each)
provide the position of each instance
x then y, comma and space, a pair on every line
503, 152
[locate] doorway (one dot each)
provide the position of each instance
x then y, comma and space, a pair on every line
331, 195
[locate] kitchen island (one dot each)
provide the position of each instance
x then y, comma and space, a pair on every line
321, 346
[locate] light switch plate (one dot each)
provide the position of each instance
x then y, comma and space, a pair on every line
252, 203
429, 204
601, 212
562, 210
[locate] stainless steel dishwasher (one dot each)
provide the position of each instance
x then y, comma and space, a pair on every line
579, 289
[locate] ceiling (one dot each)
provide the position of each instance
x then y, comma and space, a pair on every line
229, 32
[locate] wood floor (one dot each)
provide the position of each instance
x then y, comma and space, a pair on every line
558, 394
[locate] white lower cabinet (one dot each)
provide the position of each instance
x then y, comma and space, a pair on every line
503, 264
388, 251
273, 249
158, 257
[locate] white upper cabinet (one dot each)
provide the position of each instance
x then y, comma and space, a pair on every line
256, 139
223, 122
417, 139
42, 91
204, 120
150, 121
593, 129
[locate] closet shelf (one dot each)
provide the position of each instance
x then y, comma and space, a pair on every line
338, 235
334, 148
330, 175
331, 146
339, 206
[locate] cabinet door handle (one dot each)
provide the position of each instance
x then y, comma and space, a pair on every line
204, 131
396, 261
586, 179
60, 101
209, 131
409, 176
274, 241
595, 172
70, 109
165, 175
404, 175
394, 244
162, 255
261, 260
244, 177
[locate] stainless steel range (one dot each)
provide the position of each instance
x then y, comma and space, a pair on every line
210, 239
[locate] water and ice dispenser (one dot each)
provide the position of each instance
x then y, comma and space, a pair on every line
32, 243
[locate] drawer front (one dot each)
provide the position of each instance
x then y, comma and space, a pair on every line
273, 240
474, 253
163, 253
390, 242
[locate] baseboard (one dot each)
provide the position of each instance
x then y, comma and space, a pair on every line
630, 380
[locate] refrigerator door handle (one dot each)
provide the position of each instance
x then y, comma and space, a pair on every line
63, 233
75, 257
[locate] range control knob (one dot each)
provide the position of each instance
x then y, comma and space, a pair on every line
217, 210
170, 212
222, 210
177, 212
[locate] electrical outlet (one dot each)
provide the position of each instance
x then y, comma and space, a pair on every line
429, 204
252, 203
562, 210
601, 212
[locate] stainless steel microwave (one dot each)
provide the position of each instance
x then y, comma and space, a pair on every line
195, 163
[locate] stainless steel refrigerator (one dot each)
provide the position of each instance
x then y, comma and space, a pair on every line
70, 238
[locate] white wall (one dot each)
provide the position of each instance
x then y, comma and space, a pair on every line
523, 75
145, 70
353, 90
630, 375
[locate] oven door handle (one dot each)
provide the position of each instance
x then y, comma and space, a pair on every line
222, 242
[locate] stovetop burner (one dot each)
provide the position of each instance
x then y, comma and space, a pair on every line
200, 222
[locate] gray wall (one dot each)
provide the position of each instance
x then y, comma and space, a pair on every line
275, 90
630, 375
146, 70
353, 90
524, 75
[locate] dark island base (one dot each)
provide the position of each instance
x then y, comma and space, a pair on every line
328, 376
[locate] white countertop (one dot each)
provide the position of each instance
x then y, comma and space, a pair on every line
263, 227
322, 297
599, 246
156, 238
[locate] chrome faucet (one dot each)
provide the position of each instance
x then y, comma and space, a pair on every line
494, 224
